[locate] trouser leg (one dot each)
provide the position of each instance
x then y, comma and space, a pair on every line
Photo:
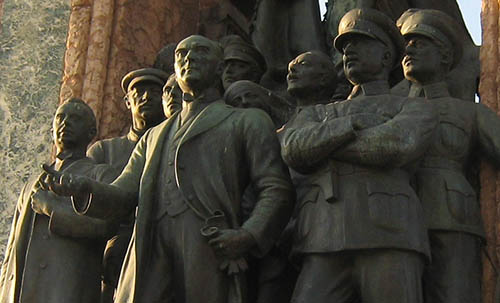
455, 274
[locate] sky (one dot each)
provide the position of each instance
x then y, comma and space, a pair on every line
471, 10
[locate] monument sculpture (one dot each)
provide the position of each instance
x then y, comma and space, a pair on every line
242, 61
433, 48
187, 225
360, 226
142, 90
248, 94
53, 254
172, 97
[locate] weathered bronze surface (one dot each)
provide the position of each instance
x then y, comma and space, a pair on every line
53, 254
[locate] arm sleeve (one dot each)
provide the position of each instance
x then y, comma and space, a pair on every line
96, 152
396, 142
270, 180
313, 136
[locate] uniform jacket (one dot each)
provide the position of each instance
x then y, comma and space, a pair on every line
353, 187
225, 149
55, 259
465, 130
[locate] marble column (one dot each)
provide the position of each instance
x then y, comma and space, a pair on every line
490, 179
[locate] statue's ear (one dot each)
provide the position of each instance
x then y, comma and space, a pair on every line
92, 132
127, 102
387, 59
447, 57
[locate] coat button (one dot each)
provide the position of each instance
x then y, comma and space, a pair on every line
45, 237
190, 198
11, 277
43, 265
170, 163
169, 181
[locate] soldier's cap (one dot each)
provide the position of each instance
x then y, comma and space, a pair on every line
238, 49
374, 24
435, 25
144, 75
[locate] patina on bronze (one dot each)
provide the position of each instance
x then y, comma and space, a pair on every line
54, 255
433, 48
187, 170
360, 226
142, 90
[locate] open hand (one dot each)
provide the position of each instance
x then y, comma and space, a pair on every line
64, 184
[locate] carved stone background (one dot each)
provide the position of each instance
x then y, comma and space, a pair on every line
32, 46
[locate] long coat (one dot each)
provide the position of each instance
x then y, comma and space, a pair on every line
55, 259
355, 192
225, 149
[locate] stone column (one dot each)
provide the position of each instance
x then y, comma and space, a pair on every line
490, 179
109, 38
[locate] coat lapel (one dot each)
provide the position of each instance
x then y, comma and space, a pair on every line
214, 114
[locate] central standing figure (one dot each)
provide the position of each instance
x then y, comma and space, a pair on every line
187, 176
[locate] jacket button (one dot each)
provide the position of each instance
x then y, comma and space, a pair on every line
43, 265
169, 181
45, 237
190, 197
170, 163
11, 277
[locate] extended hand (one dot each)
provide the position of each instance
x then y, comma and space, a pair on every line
363, 121
65, 184
232, 243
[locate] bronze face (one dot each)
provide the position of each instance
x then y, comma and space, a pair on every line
363, 59
172, 97
305, 72
197, 64
235, 70
144, 101
71, 126
422, 60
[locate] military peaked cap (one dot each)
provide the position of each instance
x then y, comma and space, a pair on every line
435, 25
237, 48
144, 74
374, 24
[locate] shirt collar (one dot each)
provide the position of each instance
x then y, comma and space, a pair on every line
67, 157
373, 88
430, 91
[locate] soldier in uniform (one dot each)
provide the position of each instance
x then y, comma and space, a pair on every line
54, 255
360, 227
242, 61
450, 203
186, 177
142, 90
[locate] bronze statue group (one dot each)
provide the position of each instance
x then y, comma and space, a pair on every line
228, 191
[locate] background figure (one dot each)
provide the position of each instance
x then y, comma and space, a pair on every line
142, 90
247, 94
172, 97
242, 61
165, 58
312, 79
463, 80
281, 31
53, 254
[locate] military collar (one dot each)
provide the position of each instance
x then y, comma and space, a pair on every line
430, 91
373, 88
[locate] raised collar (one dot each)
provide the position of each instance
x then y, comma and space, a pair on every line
430, 91
67, 157
373, 88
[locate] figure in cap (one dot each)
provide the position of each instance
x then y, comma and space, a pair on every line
242, 61
142, 90
360, 228
450, 203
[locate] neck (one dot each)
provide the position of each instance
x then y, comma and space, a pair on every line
312, 96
